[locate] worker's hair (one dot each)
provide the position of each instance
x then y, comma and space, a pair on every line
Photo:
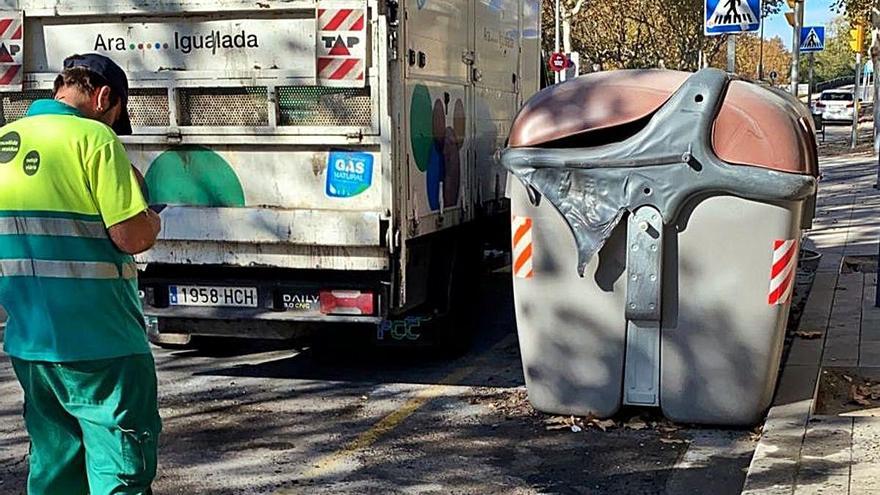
84, 80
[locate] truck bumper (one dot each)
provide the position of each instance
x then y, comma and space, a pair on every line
286, 304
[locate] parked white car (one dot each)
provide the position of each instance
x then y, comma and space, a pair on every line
835, 105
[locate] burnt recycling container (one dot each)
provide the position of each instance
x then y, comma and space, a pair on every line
656, 221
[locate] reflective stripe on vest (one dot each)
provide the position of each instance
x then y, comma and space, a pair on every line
67, 269
52, 226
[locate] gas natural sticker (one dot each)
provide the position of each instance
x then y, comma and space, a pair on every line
348, 173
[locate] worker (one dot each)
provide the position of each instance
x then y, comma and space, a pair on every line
72, 214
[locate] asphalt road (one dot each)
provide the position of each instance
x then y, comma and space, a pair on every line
260, 418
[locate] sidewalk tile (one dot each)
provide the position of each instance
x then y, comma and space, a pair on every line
866, 456
869, 354
823, 485
797, 382
804, 352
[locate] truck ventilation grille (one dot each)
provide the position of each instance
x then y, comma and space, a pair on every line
148, 107
317, 106
15, 105
229, 106
223, 107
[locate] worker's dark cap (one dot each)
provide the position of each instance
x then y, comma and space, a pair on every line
115, 77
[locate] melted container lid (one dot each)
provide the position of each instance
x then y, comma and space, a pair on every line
756, 126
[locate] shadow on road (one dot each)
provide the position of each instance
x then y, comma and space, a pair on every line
349, 355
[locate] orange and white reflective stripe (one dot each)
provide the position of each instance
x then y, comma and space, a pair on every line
782, 271
522, 247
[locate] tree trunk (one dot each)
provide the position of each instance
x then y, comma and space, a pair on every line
567, 16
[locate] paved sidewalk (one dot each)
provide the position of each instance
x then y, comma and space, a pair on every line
802, 450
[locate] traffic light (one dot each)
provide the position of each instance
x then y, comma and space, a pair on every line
857, 38
789, 16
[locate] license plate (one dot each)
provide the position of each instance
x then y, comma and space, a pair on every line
198, 295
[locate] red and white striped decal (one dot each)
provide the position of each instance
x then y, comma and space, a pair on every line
342, 44
341, 20
522, 247
782, 272
11, 52
10, 75
340, 69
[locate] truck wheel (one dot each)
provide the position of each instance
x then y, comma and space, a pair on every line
454, 332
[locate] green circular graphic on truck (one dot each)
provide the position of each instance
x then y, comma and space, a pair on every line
195, 176
421, 126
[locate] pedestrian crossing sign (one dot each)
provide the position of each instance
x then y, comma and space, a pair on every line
732, 16
812, 39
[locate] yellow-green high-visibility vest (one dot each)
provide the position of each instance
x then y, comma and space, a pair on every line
70, 294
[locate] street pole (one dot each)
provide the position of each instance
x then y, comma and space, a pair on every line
856, 91
761, 55
810, 87
558, 75
731, 53
796, 46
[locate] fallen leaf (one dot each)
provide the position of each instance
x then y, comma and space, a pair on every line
667, 428
604, 425
636, 424
556, 427
672, 440
860, 394
808, 335
556, 419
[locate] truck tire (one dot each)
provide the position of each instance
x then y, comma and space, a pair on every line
454, 332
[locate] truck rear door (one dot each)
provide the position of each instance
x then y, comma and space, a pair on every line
257, 123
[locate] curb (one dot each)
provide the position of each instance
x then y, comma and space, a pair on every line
776, 461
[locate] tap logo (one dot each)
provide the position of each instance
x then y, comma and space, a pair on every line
8, 54
339, 46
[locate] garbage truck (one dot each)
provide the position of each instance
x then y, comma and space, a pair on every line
315, 162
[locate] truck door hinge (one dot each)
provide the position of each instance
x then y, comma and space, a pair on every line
173, 136
468, 57
355, 137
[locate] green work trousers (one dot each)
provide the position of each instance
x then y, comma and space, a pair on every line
93, 425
